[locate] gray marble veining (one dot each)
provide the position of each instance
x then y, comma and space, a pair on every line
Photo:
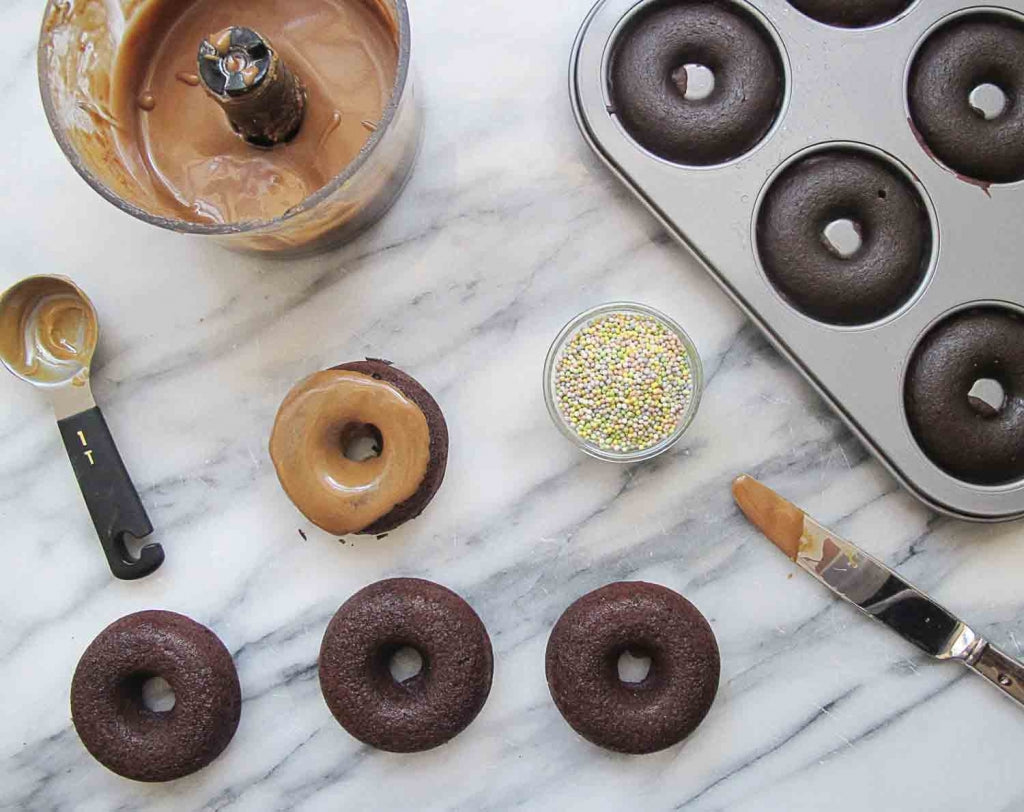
508, 228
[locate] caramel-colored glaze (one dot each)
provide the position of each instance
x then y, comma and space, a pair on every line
181, 148
337, 494
48, 331
781, 521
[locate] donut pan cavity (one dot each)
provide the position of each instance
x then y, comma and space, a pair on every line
844, 87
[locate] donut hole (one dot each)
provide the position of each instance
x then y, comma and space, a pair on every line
987, 397
158, 695
694, 80
145, 693
398, 665
988, 100
405, 663
633, 666
843, 236
361, 442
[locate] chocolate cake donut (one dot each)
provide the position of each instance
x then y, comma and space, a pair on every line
648, 80
427, 709
324, 412
117, 727
644, 619
966, 53
852, 13
890, 217
967, 438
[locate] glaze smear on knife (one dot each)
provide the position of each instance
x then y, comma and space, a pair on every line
781, 521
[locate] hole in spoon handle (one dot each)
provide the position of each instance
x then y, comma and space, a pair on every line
109, 494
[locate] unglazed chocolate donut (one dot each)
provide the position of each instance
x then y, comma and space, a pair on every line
852, 13
427, 709
890, 217
376, 495
969, 441
648, 80
977, 49
644, 619
114, 723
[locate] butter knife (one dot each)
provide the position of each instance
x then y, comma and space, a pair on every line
874, 588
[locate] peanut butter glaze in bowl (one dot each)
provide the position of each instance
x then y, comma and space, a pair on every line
121, 91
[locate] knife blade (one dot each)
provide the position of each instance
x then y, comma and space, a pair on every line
873, 588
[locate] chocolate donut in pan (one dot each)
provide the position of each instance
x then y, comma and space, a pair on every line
892, 224
113, 721
966, 437
427, 709
648, 80
984, 48
646, 620
315, 423
852, 13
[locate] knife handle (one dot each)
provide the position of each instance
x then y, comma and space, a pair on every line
1001, 670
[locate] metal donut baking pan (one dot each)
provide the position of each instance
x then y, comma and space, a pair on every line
843, 87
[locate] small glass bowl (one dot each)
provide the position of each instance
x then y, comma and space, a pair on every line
580, 322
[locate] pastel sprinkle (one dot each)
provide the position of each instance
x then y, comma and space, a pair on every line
623, 382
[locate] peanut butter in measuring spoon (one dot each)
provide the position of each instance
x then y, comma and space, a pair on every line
48, 331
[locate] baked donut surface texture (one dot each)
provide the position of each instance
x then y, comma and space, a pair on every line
644, 619
852, 13
375, 495
966, 438
890, 218
970, 51
427, 709
648, 81
113, 721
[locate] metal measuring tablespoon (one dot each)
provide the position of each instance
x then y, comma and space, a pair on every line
48, 334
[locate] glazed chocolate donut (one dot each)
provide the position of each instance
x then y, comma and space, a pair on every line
891, 219
644, 619
965, 438
648, 80
970, 51
117, 727
341, 495
852, 13
427, 709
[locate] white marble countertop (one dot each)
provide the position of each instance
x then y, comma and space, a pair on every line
508, 228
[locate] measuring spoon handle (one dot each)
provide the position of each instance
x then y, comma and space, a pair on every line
113, 502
